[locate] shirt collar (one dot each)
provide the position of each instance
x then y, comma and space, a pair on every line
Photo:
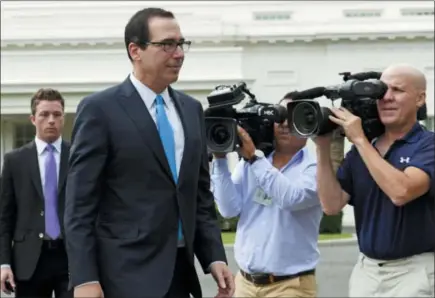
414, 134
41, 145
296, 159
148, 95
411, 136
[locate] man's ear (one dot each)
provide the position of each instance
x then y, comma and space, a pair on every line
421, 99
134, 51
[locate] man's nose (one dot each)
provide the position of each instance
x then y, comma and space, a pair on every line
179, 53
51, 119
388, 95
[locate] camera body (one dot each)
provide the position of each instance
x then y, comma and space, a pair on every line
307, 118
222, 119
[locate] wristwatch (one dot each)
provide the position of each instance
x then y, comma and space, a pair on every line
257, 155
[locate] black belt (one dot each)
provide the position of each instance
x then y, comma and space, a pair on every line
53, 244
266, 279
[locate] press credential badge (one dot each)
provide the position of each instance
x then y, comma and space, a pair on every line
261, 198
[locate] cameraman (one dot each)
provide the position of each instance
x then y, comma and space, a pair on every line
388, 182
279, 213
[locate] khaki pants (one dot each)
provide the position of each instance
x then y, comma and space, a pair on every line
303, 286
409, 277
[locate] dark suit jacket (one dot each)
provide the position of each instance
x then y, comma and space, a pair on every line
122, 205
22, 208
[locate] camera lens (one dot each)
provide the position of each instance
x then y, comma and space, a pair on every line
219, 134
305, 119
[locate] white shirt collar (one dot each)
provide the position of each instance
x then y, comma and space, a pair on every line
41, 145
148, 95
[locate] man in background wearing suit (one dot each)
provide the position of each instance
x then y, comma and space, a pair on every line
138, 200
32, 251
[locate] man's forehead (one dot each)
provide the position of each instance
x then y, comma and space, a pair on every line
164, 29
404, 75
396, 78
49, 104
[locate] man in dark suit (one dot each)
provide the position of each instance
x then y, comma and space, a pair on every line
32, 251
138, 200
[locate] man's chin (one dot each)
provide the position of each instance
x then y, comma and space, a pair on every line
173, 77
388, 120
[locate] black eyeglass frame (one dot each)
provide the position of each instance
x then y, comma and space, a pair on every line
170, 46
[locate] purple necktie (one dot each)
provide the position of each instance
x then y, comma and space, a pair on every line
52, 228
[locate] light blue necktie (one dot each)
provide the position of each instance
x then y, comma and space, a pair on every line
167, 137
52, 226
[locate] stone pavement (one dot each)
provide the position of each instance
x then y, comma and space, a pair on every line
336, 262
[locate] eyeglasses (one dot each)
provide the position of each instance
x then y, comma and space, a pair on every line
171, 46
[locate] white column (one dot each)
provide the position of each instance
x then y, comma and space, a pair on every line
6, 138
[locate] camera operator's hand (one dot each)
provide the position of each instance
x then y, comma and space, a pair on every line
323, 141
247, 150
351, 124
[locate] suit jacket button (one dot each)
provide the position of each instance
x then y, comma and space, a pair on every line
41, 235
42, 213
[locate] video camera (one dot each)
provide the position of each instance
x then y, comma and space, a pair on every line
222, 119
359, 94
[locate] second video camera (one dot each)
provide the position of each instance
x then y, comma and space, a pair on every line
222, 119
359, 94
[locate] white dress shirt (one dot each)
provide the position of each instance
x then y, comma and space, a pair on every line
42, 156
148, 96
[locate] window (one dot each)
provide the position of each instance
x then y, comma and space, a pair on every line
364, 13
23, 134
272, 16
417, 12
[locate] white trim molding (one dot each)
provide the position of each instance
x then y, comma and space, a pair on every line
85, 87
31, 23
16, 95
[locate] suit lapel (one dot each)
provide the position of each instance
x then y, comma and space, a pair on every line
34, 169
180, 106
63, 166
136, 109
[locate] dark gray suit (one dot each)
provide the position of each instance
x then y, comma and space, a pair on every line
120, 183
37, 269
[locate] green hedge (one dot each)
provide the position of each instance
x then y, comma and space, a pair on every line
331, 224
227, 225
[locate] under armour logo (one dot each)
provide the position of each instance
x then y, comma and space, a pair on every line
404, 160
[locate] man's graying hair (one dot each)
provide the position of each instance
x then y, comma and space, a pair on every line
137, 29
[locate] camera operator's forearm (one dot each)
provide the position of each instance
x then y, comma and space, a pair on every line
328, 188
226, 192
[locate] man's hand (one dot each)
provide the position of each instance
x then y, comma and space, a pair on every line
7, 277
350, 123
224, 279
247, 149
323, 141
92, 290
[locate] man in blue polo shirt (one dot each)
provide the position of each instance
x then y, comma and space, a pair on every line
389, 182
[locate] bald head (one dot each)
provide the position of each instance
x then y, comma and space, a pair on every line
405, 95
407, 73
